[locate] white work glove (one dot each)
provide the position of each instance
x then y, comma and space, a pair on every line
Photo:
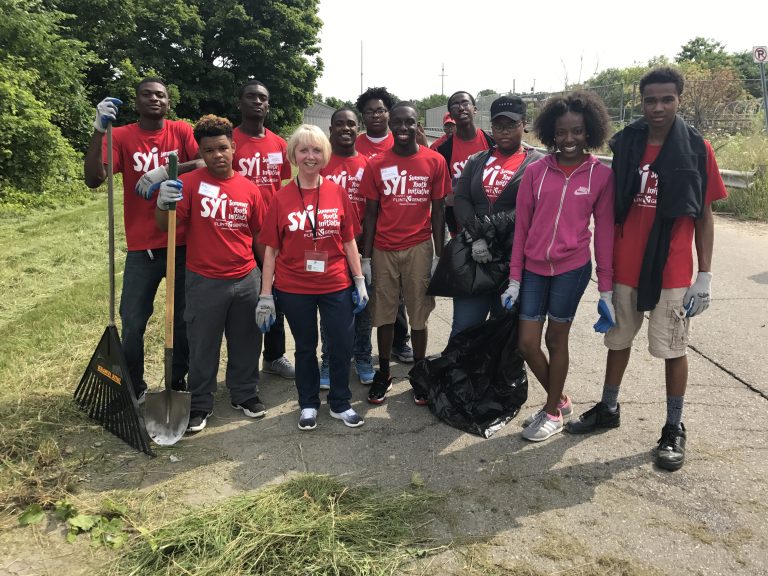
435, 262
367, 273
170, 193
480, 251
106, 112
697, 297
265, 312
150, 182
359, 294
509, 297
607, 314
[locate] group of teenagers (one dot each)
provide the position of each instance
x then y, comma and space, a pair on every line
357, 232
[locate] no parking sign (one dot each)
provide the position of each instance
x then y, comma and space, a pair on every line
760, 54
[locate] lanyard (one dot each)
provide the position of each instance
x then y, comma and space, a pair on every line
313, 220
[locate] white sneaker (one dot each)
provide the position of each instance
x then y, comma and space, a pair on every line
566, 410
308, 419
349, 417
282, 367
542, 428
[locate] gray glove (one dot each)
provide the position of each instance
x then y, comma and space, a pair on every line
265, 312
510, 295
435, 262
150, 182
106, 112
480, 251
170, 193
698, 296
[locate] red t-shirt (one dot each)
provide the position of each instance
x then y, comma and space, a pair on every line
134, 153
369, 149
223, 217
630, 240
264, 161
498, 171
288, 228
347, 171
463, 149
404, 187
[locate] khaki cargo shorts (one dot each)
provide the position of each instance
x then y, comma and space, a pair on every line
668, 326
408, 270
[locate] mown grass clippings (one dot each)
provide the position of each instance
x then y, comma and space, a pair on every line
310, 525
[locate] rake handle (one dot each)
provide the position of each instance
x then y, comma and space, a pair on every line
111, 225
170, 275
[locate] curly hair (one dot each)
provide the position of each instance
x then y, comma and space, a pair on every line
212, 125
375, 93
663, 75
588, 104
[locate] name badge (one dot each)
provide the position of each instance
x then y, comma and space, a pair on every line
275, 158
315, 260
209, 190
389, 173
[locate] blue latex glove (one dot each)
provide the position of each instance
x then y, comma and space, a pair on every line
106, 112
607, 313
170, 193
265, 312
359, 294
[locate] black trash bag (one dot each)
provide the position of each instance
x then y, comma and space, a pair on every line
478, 383
458, 275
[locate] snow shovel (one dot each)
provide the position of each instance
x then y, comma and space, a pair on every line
106, 390
166, 413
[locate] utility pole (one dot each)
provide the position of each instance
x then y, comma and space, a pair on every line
361, 66
442, 79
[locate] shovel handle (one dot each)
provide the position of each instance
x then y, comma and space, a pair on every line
170, 274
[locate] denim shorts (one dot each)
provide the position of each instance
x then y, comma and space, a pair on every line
556, 297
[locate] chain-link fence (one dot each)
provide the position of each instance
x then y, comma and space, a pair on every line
712, 106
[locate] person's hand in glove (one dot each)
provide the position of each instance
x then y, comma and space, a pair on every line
480, 251
435, 262
149, 183
170, 193
607, 318
265, 312
367, 273
106, 112
509, 297
697, 297
359, 294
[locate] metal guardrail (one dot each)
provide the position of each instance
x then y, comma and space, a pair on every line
731, 178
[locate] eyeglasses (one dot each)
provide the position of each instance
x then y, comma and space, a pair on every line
498, 127
464, 104
377, 112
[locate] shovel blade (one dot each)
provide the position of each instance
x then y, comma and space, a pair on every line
166, 415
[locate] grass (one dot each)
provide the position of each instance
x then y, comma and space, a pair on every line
310, 525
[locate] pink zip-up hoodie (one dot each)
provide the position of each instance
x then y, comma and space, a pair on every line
552, 233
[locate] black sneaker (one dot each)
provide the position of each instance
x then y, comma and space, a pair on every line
381, 385
179, 385
253, 408
670, 453
599, 416
197, 420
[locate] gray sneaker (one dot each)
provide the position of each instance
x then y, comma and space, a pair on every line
542, 428
282, 367
349, 417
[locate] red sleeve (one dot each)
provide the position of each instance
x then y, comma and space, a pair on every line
368, 184
184, 207
442, 185
285, 169
270, 232
258, 214
715, 186
351, 225
188, 142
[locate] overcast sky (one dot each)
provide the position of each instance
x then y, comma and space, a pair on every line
501, 44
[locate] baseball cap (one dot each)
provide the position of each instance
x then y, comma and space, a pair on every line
510, 106
447, 119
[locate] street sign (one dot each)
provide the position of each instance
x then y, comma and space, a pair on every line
760, 54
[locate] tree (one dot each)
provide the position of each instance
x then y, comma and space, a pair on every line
705, 52
707, 93
431, 101
486, 92
31, 38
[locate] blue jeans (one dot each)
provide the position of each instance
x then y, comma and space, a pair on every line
556, 297
471, 311
141, 278
362, 347
336, 316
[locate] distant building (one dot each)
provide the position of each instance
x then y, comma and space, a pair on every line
319, 114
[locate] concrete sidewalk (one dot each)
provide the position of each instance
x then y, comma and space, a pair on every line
560, 506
